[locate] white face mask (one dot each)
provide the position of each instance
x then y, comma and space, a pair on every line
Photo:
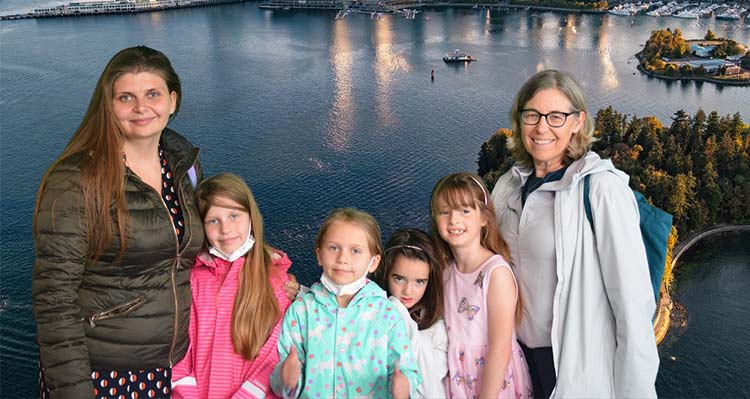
346, 289
237, 253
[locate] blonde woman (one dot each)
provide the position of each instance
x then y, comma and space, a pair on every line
587, 300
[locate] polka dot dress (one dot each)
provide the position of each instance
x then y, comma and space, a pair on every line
169, 195
112, 384
154, 383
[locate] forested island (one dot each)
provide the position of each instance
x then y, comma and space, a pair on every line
668, 55
697, 168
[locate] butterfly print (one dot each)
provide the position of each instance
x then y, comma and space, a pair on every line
467, 379
471, 310
480, 280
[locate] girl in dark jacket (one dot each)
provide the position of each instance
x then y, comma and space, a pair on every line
116, 231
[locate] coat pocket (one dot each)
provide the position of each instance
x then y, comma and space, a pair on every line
117, 310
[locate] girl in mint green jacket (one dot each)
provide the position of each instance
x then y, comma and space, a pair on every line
344, 338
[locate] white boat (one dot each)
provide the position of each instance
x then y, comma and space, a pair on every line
692, 14
458, 56
620, 12
729, 13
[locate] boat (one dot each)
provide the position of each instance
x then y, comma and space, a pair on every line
458, 56
691, 14
729, 13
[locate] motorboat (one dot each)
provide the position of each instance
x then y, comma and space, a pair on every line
458, 56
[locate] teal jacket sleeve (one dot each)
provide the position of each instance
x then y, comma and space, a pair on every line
291, 335
399, 349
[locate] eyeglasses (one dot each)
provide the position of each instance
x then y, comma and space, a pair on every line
554, 119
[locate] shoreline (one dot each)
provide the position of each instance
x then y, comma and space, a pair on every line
415, 5
62, 11
499, 6
694, 78
664, 310
710, 79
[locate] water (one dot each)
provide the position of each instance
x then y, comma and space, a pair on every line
710, 352
314, 113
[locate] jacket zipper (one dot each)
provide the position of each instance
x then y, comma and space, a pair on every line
118, 310
176, 266
176, 263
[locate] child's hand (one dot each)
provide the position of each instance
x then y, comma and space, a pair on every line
291, 369
291, 287
399, 384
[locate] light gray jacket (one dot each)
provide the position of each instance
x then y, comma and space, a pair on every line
602, 336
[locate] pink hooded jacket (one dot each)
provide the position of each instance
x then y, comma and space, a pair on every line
211, 368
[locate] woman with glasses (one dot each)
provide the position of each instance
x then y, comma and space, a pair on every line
586, 326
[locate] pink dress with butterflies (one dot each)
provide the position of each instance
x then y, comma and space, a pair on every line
467, 324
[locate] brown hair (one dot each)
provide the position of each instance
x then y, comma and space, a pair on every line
256, 310
468, 190
429, 309
361, 219
100, 140
580, 143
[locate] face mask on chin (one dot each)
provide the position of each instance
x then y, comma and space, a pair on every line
346, 289
237, 253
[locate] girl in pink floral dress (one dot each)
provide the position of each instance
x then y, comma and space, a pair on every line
480, 294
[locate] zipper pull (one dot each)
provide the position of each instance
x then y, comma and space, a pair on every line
91, 322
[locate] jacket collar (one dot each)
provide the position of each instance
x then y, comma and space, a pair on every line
178, 151
325, 297
204, 259
590, 163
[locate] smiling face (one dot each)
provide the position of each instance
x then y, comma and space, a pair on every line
461, 226
344, 253
408, 280
548, 145
227, 225
142, 104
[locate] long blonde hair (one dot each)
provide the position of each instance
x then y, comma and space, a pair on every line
99, 140
256, 310
468, 190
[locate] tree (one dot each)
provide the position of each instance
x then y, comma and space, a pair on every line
494, 151
710, 35
680, 201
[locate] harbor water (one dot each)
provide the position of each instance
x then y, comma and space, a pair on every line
317, 113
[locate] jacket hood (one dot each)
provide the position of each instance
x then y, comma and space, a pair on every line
590, 164
325, 297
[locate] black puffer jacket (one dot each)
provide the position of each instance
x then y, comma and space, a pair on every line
129, 315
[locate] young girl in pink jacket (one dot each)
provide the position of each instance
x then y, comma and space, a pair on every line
238, 299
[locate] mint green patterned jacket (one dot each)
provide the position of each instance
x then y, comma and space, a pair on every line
345, 352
